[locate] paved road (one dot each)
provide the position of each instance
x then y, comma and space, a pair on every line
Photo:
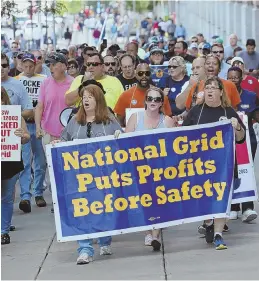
35, 254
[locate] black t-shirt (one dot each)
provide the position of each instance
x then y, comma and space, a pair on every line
212, 114
82, 70
127, 83
14, 72
189, 58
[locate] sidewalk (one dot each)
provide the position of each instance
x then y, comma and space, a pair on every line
35, 254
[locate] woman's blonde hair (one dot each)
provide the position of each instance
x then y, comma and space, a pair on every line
225, 102
181, 62
4, 97
101, 109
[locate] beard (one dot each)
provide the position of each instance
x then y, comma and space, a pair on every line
111, 72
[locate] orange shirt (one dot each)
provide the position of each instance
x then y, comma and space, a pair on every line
135, 98
230, 89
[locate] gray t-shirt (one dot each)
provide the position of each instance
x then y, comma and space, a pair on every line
73, 130
251, 61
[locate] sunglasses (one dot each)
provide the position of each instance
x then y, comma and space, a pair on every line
4, 65
218, 52
146, 73
89, 127
110, 63
157, 99
195, 41
20, 56
173, 66
93, 64
38, 57
71, 67
171, 45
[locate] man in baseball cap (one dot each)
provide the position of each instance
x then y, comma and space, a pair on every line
56, 58
193, 49
237, 60
206, 48
28, 57
156, 56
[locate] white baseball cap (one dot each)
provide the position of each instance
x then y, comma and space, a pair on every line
237, 59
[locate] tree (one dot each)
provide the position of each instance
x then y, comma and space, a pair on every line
72, 6
9, 8
141, 6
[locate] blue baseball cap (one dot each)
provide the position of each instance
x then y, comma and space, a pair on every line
206, 46
29, 57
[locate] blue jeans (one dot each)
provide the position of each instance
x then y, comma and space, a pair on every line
86, 246
7, 200
39, 160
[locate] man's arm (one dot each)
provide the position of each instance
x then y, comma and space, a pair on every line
71, 97
38, 116
27, 114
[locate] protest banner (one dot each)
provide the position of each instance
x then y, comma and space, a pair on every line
247, 190
10, 143
32, 85
143, 180
157, 72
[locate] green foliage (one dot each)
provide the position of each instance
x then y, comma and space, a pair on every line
73, 6
8, 8
141, 6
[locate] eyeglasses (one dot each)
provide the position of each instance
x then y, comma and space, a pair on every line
4, 65
127, 66
110, 63
173, 66
71, 67
218, 52
157, 99
146, 73
171, 45
195, 41
211, 88
38, 57
89, 127
93, 64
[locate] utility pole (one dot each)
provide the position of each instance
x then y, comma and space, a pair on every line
54, 25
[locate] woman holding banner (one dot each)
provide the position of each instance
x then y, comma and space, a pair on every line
92, 120
9, 176
151, 118
216, 107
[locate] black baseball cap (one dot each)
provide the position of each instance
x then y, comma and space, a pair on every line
250, 42
64, 52
56, 57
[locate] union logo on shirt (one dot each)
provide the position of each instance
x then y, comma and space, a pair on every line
250, 82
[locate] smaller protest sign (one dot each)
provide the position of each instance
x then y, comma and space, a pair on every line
157, 72
10, 143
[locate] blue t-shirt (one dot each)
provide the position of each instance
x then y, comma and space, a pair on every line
17, 93
175, 89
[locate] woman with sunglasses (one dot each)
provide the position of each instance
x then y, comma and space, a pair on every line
92, 120
216, 106
172, 84
151, 118
9, 177
73, 68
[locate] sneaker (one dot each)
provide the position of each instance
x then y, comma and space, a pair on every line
148, 240
105, 251
84, 258
202, 229
249, 215
5, 239
156, 245
225, 228
209, 235
40, 201
233, 215
219, 243
12, 228
25, 206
